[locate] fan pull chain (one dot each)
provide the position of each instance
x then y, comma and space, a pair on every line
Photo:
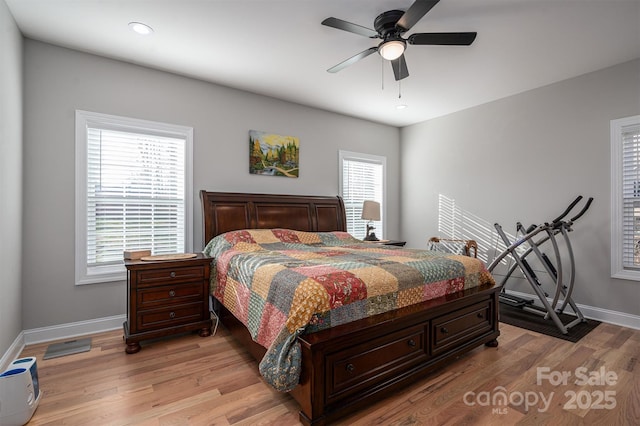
399, 89
382, 73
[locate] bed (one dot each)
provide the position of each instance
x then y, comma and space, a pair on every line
339, 362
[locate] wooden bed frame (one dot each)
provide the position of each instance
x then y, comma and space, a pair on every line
346, 368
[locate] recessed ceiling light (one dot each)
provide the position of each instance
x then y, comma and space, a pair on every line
402, 106
140, 28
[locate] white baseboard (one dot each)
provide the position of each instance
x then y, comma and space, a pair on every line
59, 332
604, 315
13, 352
74, 329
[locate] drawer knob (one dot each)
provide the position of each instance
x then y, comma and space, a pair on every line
412, 343
444, 330
350, 368
172, 293
172, 315
172, 274
480, 315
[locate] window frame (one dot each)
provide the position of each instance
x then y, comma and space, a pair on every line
618, 270
83, 119
366, 158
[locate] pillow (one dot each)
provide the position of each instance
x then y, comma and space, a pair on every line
230, 239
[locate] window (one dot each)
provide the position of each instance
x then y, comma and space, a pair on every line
133, 191
625, 198
362, 177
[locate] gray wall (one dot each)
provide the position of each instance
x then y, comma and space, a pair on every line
521, 158
58, 81
10, 179
524, 158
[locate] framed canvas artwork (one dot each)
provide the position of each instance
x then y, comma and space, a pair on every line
273, 155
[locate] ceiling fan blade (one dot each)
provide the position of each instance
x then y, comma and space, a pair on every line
450, 39
415, 12
350, 27
352, 60
400, 68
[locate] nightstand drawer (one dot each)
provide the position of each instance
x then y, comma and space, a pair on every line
169, 275
170, 316
170, 295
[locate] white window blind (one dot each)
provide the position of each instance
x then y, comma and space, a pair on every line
625, 158
631, 197
136, 193
362, 178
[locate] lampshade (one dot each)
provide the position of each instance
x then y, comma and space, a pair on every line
371, 210
392, 49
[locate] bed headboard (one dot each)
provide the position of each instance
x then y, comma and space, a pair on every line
229, 211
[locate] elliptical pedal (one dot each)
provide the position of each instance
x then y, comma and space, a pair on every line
515, 301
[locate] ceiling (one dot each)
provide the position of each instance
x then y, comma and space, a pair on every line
279, 48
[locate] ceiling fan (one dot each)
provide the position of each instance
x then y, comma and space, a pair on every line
389, 26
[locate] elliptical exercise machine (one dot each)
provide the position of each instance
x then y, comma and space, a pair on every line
542, 234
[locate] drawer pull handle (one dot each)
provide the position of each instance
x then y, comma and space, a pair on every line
172, 274
172, 293
412, 343
172, 315
480, 315
444, 330
350, 368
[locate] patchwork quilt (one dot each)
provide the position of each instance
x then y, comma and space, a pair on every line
281, 283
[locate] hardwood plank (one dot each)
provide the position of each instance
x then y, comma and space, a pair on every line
190, 380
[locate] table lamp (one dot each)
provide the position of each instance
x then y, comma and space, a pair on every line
370, 212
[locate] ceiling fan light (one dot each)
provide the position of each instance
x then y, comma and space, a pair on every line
392, 49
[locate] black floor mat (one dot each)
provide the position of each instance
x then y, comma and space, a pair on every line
530, 321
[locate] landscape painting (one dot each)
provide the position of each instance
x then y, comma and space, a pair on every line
273, 155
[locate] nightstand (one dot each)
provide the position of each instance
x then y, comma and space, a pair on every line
391, 243
165, 298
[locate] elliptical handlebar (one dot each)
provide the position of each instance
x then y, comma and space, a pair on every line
583, 211
566, 212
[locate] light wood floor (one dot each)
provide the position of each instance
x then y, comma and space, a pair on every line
189, 380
